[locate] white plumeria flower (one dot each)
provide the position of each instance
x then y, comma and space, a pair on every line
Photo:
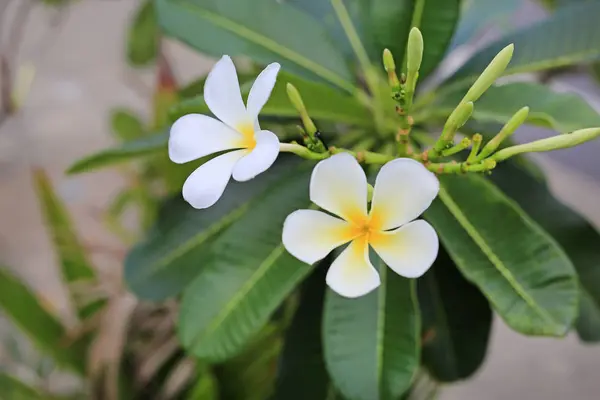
403, 190
195, 135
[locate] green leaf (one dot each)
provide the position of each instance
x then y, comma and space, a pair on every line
456, 322
569, 36
385, 24
73, 258
264, 30
247, 276
437, 20
372, 343
302, 374
143, 36
564, 112
524, 274
123, 153
206, 387
126, 125
573, 233
251, 375
14, 389
323, 103
26, 311
178, 247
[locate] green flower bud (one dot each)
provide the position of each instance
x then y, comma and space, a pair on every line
414, 51
492, 72
507, 130
298, 104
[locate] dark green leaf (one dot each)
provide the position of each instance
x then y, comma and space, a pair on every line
251, 375
372, 343
322, 102
575, 235
126, 125
122, 153
302, 374
456, 322
247, 276
564, 112
264, 30
26, 311
569, 36
143, 36
178, 246
520, 269
206, 387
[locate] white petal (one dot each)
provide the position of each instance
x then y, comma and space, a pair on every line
409, 251
310, 235
339, 185
195, 135
404, 188
261, 89
351, 274
259, 159
206, 184
222, 94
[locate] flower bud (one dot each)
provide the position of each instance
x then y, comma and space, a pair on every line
298, 104
492, 72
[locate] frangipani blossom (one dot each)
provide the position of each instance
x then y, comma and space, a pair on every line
195, 135
403, 189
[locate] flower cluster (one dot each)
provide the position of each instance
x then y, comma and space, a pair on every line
403, 189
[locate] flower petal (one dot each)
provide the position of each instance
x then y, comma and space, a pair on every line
206, 184
310, 235
259, 159
404, 188
261, 89
409, 251
352, 274
339, 185
222, 94
195, 135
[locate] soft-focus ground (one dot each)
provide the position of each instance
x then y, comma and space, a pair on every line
81, 74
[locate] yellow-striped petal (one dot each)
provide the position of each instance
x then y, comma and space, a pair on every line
410, 250
352, 274
339, 185
404, 188
310, 235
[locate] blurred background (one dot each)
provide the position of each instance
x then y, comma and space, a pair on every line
71, 59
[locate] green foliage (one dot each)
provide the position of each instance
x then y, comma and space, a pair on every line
522, 271
372, 343
246, 277
126, 126
143, 36
564, 112
567, 37
457, 320
574, 234
28, 313
13, 389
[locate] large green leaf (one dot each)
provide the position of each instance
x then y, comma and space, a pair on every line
11, 388
575, 235
302, 374
247, 276
73, 258
264, 30
26, 311
564, 112
178, 246
569, 36
143, 36
456, 322
322, 102
122, 153
385, 24
520, 269
372, 343
125, 125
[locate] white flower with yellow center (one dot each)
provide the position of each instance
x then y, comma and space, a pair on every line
195, 135
403, 190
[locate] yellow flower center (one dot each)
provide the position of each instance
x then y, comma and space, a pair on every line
366, 226
248, 140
